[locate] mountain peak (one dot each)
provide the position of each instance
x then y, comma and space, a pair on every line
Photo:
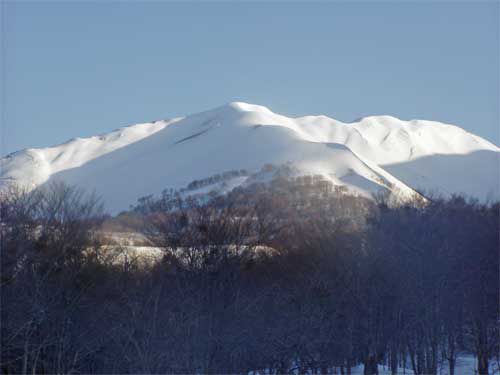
375, 152
247, 107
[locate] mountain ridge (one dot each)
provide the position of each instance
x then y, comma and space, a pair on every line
172, 153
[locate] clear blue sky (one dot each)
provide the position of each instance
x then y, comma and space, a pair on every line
82, 68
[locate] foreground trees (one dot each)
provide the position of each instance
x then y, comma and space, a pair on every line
47, 245
288, 277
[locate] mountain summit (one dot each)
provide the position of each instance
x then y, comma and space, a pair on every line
376, 152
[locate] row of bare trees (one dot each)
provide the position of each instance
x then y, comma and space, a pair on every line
280, 277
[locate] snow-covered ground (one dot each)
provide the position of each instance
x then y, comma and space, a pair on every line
377, 152
466, 365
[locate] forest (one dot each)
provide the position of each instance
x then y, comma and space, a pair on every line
291, 277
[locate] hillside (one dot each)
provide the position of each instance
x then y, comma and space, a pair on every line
376, 153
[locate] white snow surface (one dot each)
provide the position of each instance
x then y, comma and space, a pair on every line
466, 365
377, 152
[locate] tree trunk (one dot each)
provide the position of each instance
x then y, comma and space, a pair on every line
370, 366
394, 360
482, 364
25, 358
349, 367
283, 368
451, 354
451, 364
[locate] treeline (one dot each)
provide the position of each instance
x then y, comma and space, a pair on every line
284, 277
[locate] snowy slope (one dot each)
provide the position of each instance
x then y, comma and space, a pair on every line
33, 167
374, 153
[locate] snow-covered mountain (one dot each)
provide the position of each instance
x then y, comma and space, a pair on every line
378, 152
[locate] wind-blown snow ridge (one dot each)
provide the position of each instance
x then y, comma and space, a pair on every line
373, 153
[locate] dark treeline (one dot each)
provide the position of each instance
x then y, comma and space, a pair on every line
291, 276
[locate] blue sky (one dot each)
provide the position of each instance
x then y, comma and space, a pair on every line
83, 68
